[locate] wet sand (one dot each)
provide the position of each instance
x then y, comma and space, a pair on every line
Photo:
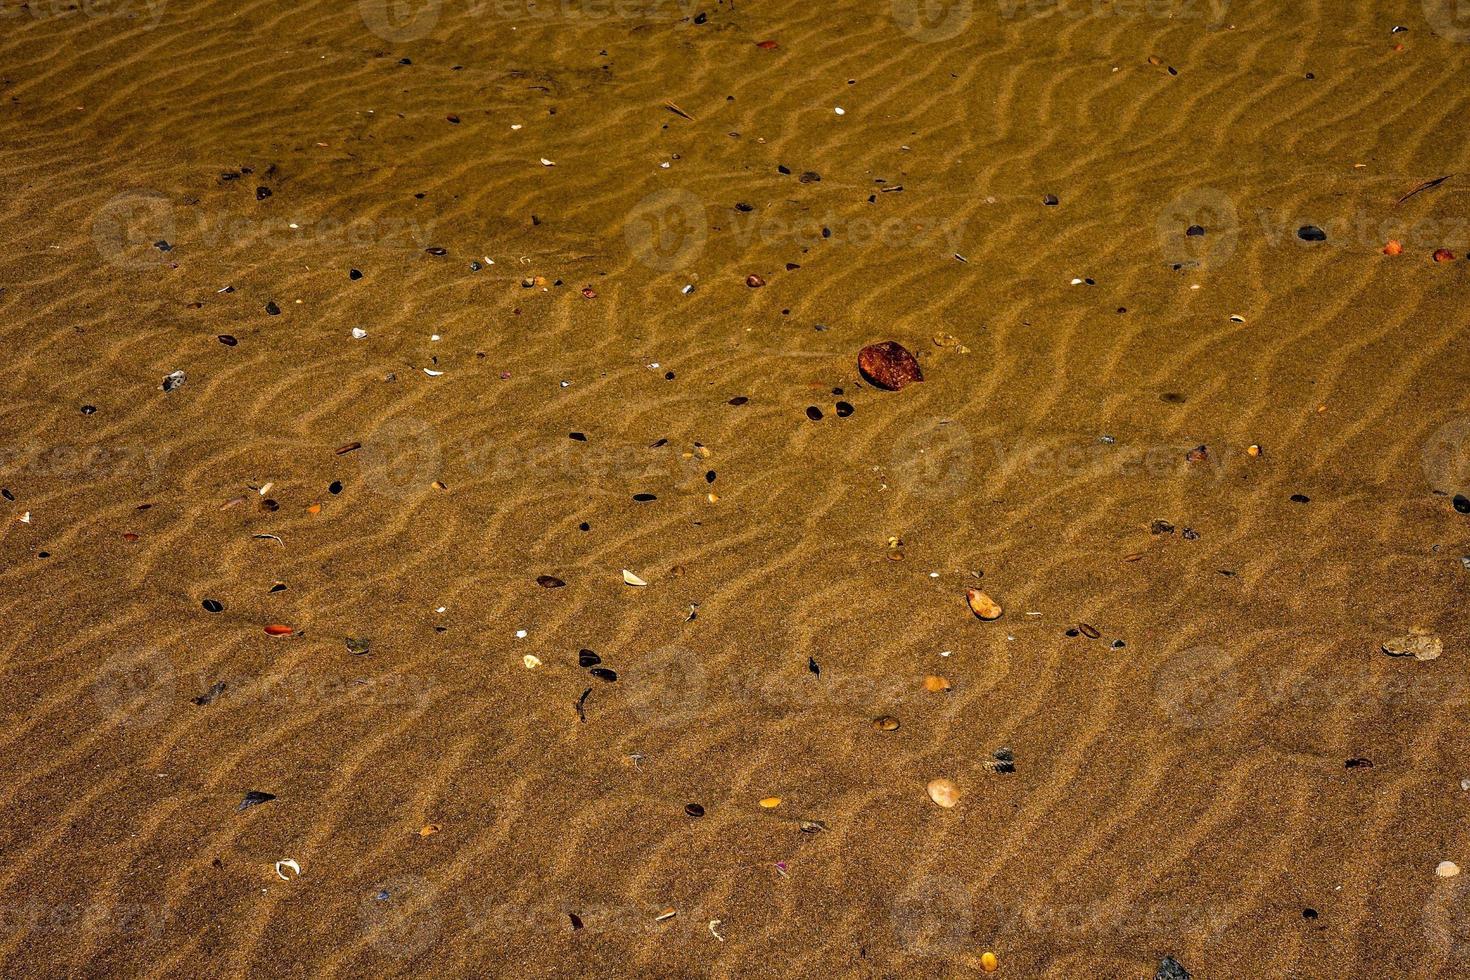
1194, 781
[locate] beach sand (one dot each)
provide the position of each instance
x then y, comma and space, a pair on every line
1230, 773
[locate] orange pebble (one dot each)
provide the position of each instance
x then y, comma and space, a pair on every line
1443, 255
1253, 450
1393, 247
279, 629
988, 962
314, 509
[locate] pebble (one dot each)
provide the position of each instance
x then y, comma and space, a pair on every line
982, 605
889, 365
1420, 646
1311, 233
943, 792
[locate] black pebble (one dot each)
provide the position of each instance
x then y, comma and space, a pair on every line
739, 400
844, 410
272, 308
227, 340
584, 526
604, 674
709, 476
1311, 233
1300, 498
587, 658
354, 275
163, 246
694, 809
814, 413
89, 409
1309, 914
644, 498
1194, 231
701, 18
1461, 503
254, 798
1050, 200
744, 208
334, 487
578, 436
213, 605
261, 193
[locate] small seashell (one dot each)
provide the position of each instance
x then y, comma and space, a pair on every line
771, 802
936, 684
531, 661
287, 863
1447, 869
982, 605
885, 723
428, 830
1420, 646
944, 792
632, 579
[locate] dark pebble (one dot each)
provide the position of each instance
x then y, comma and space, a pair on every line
644, 498
261, 193
1050, 200
587, 658
1311, 233
694, 809
213, 605
1461, 503
814, 413
550, 582
709, 476
254, 798
227, 340
272, 309
334, 487
604, 674
739, 400
844, 409
89, 409
1300, 498
1194, 231
1171, 969
437, 250
354, 275
578, 436
1309, 914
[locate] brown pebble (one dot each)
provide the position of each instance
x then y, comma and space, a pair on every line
889, 365
885, 723
982, 605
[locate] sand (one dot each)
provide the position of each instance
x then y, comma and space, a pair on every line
1187, 793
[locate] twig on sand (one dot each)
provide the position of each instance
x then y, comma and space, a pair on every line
1423, 187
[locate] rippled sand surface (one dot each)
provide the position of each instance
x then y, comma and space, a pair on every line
554, 210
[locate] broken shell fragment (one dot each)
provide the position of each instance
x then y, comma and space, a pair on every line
889, 365
287, 863
1420, 646
771, 802
885, 723
982, 605
936, 684
632, 579
944, 792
